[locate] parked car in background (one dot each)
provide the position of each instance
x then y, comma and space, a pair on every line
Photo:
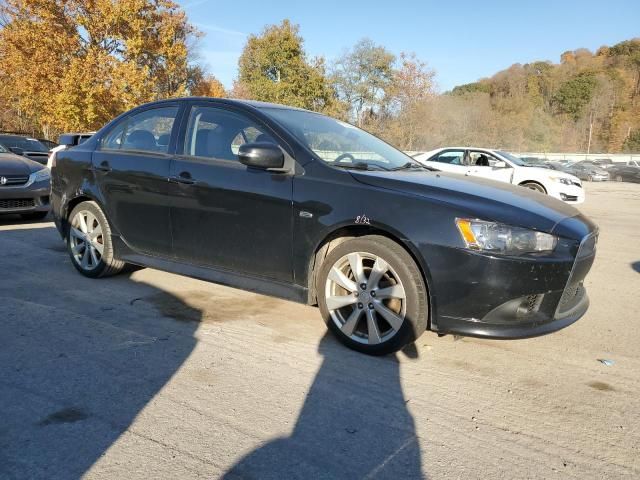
625, 173
603, 162
28, 147
24, 186
534, 162
296, 204
67, 141
631, 163
50, 144
588, 171
504, 167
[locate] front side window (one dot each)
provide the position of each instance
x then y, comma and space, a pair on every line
217, 133
484, 159
148, 131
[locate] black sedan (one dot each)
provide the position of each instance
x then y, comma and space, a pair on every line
625, 173
298, 205
24, 186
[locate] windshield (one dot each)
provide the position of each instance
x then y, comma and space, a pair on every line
340, 144
513, 159
26, 144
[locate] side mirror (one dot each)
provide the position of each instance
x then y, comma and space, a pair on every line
262, 155
17, 150
500, 164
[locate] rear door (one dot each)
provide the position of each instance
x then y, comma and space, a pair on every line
451, 160
224, 214
132, 165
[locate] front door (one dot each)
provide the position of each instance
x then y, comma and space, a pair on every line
483, 164
224, 214
132, 166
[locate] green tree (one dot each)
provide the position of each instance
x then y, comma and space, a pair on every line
632, 143
575, 94
362, 78
274, 67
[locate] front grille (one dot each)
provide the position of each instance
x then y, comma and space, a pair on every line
568, 198
15, 203
13, 180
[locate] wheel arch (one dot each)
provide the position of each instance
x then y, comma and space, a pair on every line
342, 233
537, 182
72, 203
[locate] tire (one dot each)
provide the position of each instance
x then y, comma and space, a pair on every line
534, 186
34, 215
350, 311
619, 178
78, 235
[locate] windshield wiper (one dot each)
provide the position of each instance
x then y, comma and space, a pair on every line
358, 166
414, 166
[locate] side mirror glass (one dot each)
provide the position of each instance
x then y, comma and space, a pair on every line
262, 155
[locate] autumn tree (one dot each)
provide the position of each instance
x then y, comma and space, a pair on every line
206, 85
75, 64
274, 67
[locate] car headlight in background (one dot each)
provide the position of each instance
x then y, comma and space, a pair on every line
40, 176
503, 239
563, 180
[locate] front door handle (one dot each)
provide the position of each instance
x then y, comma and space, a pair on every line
184, 178
104, 167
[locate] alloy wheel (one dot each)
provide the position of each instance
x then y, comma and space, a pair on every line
86, 240
365, 298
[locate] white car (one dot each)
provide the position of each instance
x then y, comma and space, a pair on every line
504, 167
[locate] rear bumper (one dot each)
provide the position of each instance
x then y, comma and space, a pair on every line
35, 198
510, 298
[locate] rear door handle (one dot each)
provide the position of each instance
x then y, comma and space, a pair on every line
104, 167
184, 178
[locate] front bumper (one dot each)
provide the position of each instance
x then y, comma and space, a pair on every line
567, 193
31, 199
509, 298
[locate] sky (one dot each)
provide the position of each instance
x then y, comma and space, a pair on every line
461, 40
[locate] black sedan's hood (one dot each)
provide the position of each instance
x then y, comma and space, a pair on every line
482, 198
11, 164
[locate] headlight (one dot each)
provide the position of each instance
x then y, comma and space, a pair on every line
503, 239
40, 175
564, 180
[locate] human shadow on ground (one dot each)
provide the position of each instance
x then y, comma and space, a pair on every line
354, 424
79, 360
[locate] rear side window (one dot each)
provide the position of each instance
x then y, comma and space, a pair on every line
452, 157
216, 133
148, 131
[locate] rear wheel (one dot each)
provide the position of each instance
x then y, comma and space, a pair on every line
372, 295
89, 242
534, 186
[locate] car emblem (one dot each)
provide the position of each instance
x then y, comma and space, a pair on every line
3, 180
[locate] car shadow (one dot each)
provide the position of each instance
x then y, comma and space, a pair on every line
354, 424
636, 266
79, 360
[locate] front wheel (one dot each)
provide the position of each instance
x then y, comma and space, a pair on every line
534, 186
89, 242
372, 295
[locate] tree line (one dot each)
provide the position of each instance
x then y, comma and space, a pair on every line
72, 65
